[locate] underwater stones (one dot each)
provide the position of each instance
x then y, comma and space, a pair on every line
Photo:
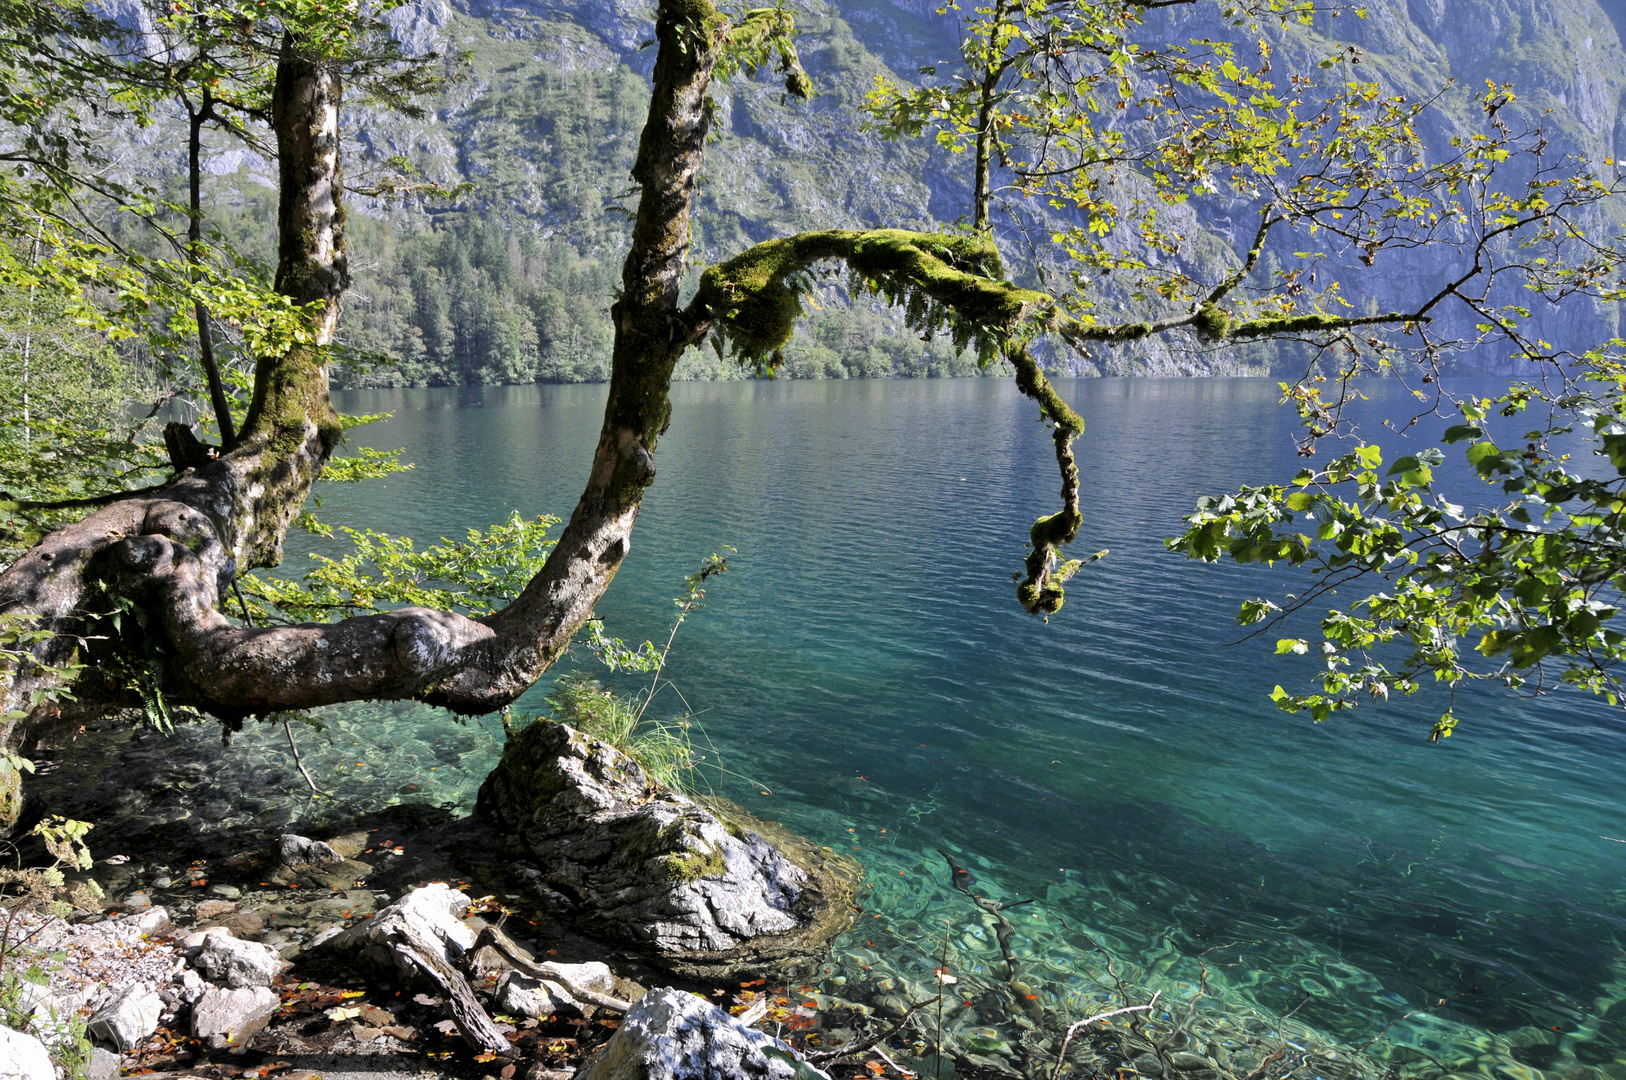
128, 1017
226, 892
213, 909
704, 891
223, 1018
674, 1035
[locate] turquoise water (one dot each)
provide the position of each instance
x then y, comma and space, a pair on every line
866, 665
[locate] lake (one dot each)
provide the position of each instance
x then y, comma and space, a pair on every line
865, 674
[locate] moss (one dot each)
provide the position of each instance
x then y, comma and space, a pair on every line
691, 865
939, 279
1212, 323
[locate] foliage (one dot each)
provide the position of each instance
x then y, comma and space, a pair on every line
32, 895
69, 430
1521, 590
476, 575
662, 748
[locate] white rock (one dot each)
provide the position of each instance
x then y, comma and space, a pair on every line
673, 1035
227, 961
151, 921
131, 1016
23, 1057
223, 1018
519, 993
592, 976
191, 986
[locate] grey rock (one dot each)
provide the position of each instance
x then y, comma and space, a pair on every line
223, 1018
103, 1065
1188, 1062
655, 869
227, 892
128, 1018
673, 1035
233, 963
23, 1057
541, 998
162, 882
326, 934
138, 901
299, 852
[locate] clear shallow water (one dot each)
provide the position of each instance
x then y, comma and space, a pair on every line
866, 664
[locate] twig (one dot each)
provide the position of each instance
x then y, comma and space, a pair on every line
871, 1043
291, 746
899, 1069
1074, 1029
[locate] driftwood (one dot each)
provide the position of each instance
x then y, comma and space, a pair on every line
1080, 1025
421, 935
516, 956
862, 1045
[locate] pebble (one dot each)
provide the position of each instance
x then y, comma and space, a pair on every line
162, 882
138, 901
227, 892
213, 909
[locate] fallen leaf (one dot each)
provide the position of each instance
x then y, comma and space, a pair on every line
341, 1014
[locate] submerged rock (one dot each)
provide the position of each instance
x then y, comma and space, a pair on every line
696, 888
674, 1035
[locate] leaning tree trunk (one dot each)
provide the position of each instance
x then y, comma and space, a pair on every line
175, 555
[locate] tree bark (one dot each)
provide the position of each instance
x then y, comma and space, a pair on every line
175, 555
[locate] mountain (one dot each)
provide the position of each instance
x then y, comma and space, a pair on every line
511, 281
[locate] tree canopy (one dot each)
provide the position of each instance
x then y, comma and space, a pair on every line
1097, 108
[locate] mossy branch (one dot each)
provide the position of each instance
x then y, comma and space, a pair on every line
751, 304
759, 35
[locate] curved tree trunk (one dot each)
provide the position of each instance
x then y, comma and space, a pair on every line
175, 555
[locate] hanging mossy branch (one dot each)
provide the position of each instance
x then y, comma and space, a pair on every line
755, 37
941, 281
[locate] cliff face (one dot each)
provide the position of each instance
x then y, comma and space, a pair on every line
510, 282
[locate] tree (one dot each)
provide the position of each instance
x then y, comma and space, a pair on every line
1182, 126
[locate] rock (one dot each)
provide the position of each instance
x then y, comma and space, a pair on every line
241, 924
1188, 1062
433, 912
138, 901
163, 882
326, 934
223, 1018
151, 921
575, 978
233, 963
23, 1057
541, 998
698, 890
103, 1065
130, 1017
350, 844
226, 892
673, 1035
298, 852
211, 909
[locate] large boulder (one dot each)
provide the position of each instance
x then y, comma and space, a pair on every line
674, 1035
698, 889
